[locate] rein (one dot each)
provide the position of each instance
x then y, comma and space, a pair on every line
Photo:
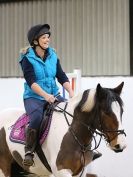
83, 147
101, 133
65, 112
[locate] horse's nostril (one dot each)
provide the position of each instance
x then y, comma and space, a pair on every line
117, 146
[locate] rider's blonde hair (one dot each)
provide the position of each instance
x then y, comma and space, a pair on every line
24, 49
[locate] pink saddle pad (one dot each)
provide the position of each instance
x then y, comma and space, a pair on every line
17, 134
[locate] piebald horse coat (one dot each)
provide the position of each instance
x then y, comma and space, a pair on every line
89, 114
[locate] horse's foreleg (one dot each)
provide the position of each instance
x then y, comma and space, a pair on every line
6, 158
5, 165
51, 175
65, 172
61, 173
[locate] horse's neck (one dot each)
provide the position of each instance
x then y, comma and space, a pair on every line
81, 117
73, 102
88, 104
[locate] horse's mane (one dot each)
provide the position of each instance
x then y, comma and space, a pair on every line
87, 101
90, 99
112, 96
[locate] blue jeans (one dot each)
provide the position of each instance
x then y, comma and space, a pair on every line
35, 109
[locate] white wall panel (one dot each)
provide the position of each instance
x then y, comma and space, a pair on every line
89, 34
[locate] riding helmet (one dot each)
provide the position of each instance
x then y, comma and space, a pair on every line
36, 31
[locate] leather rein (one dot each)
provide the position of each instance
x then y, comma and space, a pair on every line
92, 130
101, 133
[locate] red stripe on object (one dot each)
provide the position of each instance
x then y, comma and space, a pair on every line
73, 84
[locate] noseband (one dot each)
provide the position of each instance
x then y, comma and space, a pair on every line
101, 133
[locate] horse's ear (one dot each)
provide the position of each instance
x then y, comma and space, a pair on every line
99, 90
98, 87
118, 89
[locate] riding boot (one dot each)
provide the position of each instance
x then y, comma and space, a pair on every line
96, 155
30, 145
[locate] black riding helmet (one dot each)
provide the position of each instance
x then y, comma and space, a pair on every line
36, 31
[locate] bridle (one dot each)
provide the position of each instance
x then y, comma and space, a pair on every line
94, 132
101, 133
104, 132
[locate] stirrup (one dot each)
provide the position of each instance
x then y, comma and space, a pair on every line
28, 160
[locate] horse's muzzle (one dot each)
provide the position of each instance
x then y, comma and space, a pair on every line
118, 150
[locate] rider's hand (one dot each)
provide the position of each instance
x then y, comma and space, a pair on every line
50, 98
71, 94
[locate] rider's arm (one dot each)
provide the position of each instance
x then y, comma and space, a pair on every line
68, 87
60, 74
30, 78
63, 79
28, 71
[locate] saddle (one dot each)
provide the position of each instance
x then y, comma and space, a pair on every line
17, 134
18, 130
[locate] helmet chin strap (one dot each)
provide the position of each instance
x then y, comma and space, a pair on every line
41, 47
38, 44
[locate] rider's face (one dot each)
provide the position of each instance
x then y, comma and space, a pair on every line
44, 41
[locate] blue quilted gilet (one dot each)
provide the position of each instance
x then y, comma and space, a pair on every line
45, 73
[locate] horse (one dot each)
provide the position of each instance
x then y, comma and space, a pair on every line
69, 144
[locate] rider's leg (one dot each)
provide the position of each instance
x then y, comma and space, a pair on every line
31, 136
34, 108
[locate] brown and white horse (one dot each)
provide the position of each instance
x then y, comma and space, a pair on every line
68, 147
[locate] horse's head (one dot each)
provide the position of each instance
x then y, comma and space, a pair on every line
100, 111
110, 108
